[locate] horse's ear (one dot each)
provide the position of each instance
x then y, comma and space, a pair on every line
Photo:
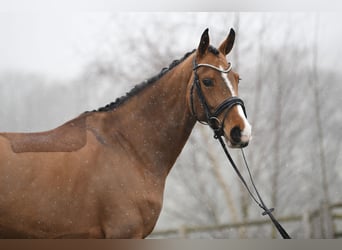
204, 43
227, 45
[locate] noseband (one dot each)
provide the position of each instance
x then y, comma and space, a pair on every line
225, 106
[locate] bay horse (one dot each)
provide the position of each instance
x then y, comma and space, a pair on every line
102, 174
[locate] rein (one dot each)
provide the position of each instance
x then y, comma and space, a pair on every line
214, 123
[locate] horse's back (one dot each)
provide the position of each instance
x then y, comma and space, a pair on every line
67, 138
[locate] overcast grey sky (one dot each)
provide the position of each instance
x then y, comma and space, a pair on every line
52, 44
58, 45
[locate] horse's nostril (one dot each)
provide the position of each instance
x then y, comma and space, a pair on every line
235, 134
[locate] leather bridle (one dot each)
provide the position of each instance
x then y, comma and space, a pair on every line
212, 116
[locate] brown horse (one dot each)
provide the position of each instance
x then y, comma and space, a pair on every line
102, 174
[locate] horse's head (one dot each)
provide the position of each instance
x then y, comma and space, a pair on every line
213, 92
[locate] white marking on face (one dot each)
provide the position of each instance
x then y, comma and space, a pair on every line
226, 80
246, 133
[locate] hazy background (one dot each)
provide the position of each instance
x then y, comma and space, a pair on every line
59, 45
56, 66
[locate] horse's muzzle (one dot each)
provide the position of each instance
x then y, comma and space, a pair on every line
239, 138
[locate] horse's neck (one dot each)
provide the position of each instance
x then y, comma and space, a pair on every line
156, 123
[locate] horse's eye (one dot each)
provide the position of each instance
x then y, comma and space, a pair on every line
208, 82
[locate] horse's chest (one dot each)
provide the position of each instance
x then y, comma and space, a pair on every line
148, 209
